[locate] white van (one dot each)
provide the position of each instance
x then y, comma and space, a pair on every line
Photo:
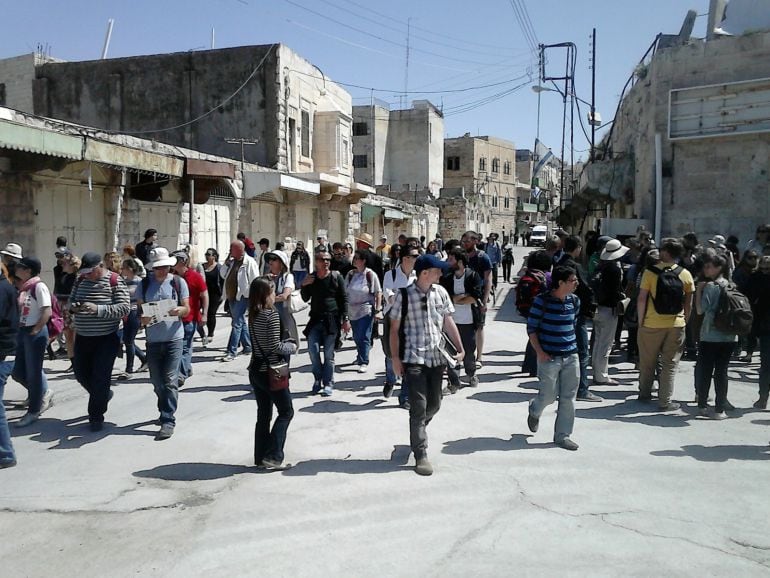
538, 236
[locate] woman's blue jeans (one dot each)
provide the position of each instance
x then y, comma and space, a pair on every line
28, 371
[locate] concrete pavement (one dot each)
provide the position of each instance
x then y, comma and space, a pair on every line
646, 494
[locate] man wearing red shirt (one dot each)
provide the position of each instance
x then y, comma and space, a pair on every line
199, 302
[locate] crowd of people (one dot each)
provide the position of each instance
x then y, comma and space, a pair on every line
426, 303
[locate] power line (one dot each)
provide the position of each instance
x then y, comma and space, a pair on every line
529, 36
381, 38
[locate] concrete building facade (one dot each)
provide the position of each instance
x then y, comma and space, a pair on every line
397, 148
482, 172
708, 102
266, 105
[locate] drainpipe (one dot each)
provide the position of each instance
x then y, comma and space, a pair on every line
192, 201
658, 186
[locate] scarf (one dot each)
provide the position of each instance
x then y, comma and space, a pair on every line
29, 284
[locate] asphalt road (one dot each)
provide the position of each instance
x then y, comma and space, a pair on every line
647, 494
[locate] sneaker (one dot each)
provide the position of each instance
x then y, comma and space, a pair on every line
590, 396
670, 406
533, 423
362, 368
47, 400
316, 388
327, 391
644, 398
473, 381
479, 365
387, 390
720, 415
271, 464
96, 426
27, 419
204, 342
567, 444
122, 376
703, 411
404, 404
228, 357
423, 467
761, 403
142, 367
449, 390
7, 464
166, 431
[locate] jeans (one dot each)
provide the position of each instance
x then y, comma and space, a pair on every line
764, 366
581, 335
713, 359
559, 378
605, 324
269, 443
6, 447
185, 363
668, 343
163, 360
28, 371
240, 329
424, 400
299, 277
362, 336
317, 338
93, 362
130, 329
507, 266
468, 338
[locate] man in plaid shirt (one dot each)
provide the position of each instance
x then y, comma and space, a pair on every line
416, 348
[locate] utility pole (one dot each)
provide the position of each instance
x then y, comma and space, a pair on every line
243, 142
593, 94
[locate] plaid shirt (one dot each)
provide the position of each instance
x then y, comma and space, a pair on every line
424, 323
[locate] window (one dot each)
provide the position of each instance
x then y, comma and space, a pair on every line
305, 141
482, 163
495, 165
507, 167
494, 200
360, 161
453, 163
507, 202
344, 152
360, 129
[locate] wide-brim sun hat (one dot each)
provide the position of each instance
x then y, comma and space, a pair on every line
159, 257
12, 250
613, 250
280, 255
366, 238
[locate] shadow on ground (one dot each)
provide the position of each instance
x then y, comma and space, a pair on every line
472, 445
75, 433
718, 453
397, 462
194, 471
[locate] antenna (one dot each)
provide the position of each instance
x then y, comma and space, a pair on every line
213, 38
110, 23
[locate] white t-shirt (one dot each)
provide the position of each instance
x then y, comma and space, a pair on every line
463, 314
31, 306
284, 281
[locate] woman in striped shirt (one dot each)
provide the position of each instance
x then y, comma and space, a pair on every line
268, 349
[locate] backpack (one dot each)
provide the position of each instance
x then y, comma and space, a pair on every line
733, 314
530, 285
55, 324
597, 286
669, 291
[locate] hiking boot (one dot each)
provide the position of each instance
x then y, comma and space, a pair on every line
387, 390
761, 403
533, 423
423, 467
567, 444
590, 396
473, 381
670, 406
27, 419
47, 400
166, 431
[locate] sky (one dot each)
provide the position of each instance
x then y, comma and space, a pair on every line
472, 59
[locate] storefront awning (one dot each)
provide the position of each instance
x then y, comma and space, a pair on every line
203, 168
394, 214
123, 156
41, 141
269, 182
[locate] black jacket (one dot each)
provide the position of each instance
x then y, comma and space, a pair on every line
304, 260
9, 318
584, 291
608, 284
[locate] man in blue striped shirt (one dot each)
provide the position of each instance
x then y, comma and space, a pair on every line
551, 330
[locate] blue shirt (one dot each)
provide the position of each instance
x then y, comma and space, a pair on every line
165, 330
553, 321
494, 253
710, 304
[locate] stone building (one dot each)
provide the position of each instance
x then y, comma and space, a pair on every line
398, 148
707, 101
481, 173
265, 105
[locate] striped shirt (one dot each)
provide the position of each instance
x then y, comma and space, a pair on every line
265, 334
112, 304
553, 321
424, 323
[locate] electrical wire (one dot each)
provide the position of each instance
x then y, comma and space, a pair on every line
528, 35
208, 112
